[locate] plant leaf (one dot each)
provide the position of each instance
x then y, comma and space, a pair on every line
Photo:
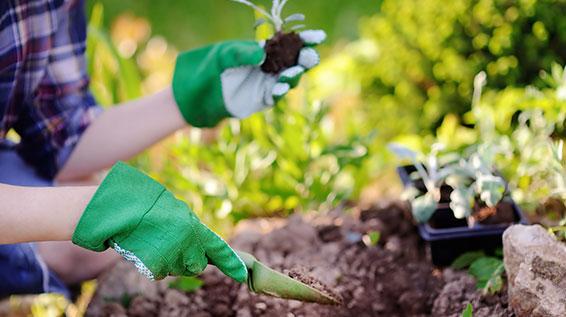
468, 311
461, 202
467, 259
488, 272
296, 27
402, 152
295, 17
186, 283
374, 236
490, 188
423, 207
259, 23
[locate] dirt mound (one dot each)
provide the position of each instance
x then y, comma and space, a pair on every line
392, 278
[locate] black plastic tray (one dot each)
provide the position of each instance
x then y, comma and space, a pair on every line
452, 237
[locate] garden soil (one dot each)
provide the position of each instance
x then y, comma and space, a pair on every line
393, 278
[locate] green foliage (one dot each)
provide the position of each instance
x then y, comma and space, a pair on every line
466, 259
272, 163
522, 130
117, 78
468, 311
417, 59
559, 231
187, 284
488, 271
372, 238
529, 156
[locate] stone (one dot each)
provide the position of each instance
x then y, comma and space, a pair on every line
535, 263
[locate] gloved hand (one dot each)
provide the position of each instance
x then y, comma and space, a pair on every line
225, 79
147, 225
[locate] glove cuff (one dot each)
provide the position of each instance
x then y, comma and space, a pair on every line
117, 207
197, 90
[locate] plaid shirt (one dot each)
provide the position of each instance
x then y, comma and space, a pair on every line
44, 93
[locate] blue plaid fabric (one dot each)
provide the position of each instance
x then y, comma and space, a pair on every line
44, 94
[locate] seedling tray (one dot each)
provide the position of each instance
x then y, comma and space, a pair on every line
451, 237
446, 244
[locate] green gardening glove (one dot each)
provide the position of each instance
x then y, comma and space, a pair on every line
225, 79
147, 225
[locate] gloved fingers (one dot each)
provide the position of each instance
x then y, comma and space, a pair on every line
292, 75
313, 37
241, 53
280, 90
308, 58
194, 264
221, 255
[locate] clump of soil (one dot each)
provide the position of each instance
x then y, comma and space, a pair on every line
394, 278
301, 276
282, 52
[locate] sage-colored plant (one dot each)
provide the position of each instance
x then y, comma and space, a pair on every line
432, 175
473, 179
275, 15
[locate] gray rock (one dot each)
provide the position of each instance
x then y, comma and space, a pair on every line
536, 269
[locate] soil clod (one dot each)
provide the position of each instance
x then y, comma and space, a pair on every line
282, 52
301, 276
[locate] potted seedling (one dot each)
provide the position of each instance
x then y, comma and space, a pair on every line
425, 185
479, 208
284, 48
478, 194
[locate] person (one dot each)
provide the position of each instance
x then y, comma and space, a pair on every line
65, 137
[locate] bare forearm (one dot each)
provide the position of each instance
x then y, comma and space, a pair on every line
41, 214
122, 132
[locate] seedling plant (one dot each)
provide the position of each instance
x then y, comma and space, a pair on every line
472, 179
284, 47
432, 175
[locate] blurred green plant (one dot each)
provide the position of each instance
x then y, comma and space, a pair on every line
524, 127
468, 311
559, 231
187, 284
487, 270
416, 59
271, 164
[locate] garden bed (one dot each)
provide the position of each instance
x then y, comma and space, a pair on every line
392, 278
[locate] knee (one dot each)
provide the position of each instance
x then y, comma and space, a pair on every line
73, 264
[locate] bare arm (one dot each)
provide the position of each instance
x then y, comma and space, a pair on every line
122, 132
41, 214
